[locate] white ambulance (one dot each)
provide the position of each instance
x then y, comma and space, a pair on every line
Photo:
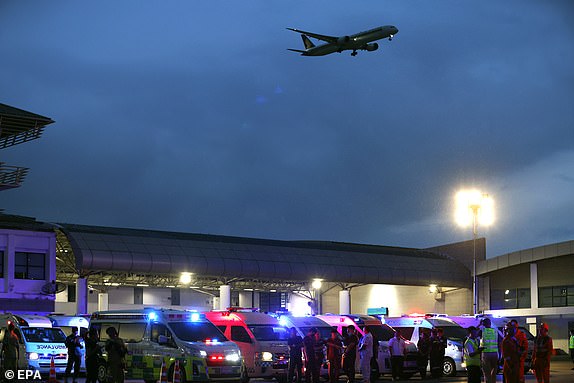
412, 326
39, 342
262, 340
67, 323
156, 336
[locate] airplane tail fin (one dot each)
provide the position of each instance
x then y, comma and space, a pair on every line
306, 42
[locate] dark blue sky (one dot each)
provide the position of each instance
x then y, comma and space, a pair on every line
192, 116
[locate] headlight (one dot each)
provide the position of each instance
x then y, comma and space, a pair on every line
203, 353
33, 356
267, 356
232, 357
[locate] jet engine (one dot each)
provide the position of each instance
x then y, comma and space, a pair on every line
371, 47
343, 40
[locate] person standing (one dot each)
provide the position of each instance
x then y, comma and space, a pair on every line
423, 346
116, 349
490, 346
73, 344
397, 349
438, 345
350, 355
334, 348
295, 343
543, 351
511, 355
311, 368
366, 352
10, 349
472, 353
523, 348
571, 346
93, 353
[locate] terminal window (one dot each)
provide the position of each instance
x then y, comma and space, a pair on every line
1, 264
30, 266
556, 296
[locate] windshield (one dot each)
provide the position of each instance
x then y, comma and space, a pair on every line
44, 335
324, 332
265, 332
197, 331
382, 332
454, 332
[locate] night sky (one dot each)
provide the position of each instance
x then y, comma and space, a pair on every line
192, 116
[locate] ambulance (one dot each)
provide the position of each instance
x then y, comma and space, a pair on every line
382, 333
261, 338
156, 336
412, 327
302, 325
39, 342
67, 323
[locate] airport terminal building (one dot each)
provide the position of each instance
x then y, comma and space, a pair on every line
69, 268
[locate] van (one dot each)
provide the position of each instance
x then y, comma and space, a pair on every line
262, 340
303, 324
67, 323
156, 336
382, 333
39, 342
413, 326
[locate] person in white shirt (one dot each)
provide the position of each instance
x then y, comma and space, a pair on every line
397, 348
366, 352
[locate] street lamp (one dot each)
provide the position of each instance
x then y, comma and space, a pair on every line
473, 208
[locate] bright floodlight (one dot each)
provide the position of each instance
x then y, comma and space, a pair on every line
316, 284
471, 203
185, 278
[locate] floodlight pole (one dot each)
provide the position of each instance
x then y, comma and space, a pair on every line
474, 209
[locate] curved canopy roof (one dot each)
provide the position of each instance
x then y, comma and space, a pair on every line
157, 252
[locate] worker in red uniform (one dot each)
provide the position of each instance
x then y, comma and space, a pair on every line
543, 351
510, 355
523, 345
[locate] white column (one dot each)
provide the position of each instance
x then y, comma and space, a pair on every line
215, 303
103, 302
344, 302
246, 299
81, 296
224, 297
533, 285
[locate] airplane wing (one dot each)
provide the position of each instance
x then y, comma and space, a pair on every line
329, 39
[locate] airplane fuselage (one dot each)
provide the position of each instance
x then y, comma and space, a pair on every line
354, 42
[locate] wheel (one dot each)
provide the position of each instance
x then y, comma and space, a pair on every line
449, 367
244, 377
102, 372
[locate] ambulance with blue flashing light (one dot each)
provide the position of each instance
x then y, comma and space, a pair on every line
67, 323
412, 326
39, 342
154, 336
382, 333
261, 338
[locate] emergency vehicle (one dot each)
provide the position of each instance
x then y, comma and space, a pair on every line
39, 342
67, 323
382, 333
262, 340
153, 336
302, 325
412, 327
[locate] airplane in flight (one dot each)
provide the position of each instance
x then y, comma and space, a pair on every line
359, 41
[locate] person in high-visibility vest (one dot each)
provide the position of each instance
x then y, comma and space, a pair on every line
472, 353
571, 346
490, 348
543, 351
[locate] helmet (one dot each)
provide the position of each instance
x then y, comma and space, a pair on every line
544, 326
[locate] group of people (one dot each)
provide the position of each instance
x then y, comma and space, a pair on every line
483, 348
341, 355
115, 348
